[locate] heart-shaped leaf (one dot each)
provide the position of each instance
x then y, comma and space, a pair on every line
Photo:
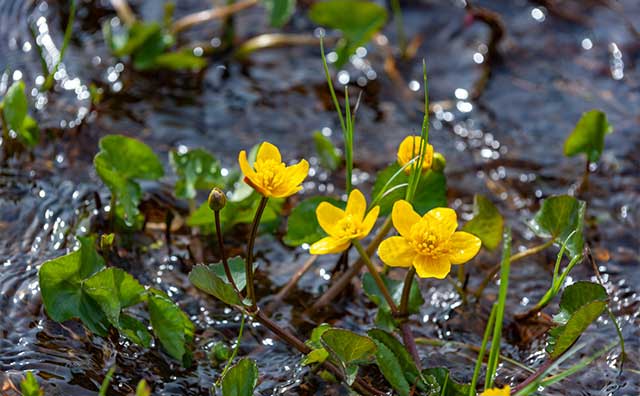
171, 326
197, 170
241, 379
559, 217
487, 222
208, 279
588, 136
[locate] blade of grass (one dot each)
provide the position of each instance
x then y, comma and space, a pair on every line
483, 348
416, 171
576, 367
494, 354
105, 383
48, 84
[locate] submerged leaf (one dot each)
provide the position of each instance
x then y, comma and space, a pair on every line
588, 136
29, 386
487, 222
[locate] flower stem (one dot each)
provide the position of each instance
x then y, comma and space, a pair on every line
251, 294
406, 290
376, 276
223, 255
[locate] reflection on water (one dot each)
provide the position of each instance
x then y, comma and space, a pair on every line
505, 145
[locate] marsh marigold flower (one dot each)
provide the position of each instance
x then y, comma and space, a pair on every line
344, 225
269, 175
506, 391
409, 149
429, 243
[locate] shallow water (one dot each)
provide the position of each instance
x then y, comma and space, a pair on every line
507, 145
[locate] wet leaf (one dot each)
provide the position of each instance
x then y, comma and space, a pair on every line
588, 136
395, 362
328, 154
197, 170
487, 222
171, 326
557, 218
29, 386
241, 379
391, 370
302, 225
207, 279
318, 353
279, 11
120, 162
61, 282
431, 192
358, 20
395, 289
14, 107
348, 347
114, 289
441, 377
581, 303
134, 330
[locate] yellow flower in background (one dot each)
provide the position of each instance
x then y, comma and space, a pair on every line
506, 391
409, 149
269, 175
429, 243
344, 225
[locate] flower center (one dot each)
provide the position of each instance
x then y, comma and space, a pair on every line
347, 227
427, 243
271, 172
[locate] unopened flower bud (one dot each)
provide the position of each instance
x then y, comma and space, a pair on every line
217, 199
439, 162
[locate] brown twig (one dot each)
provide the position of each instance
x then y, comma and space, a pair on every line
295, 278
200, 17
126, 15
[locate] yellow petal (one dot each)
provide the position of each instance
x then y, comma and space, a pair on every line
408, 149
446, 221
250, 176
329, 245
285, 191
268, 151
356, 205
463, 247
506, 391
328, 216
369, 222
297, 173
404, 217
432, 267
395, 251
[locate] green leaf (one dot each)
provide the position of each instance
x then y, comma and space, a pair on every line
391, 369
208, 279
279, 11
315, 356
318, 354
120, 162
487, 222
348, 347
61, 282
446, 385
328, 154
557, 218
588, 136
581, 303
171, 326
29, 386
134, 330
431, 192
15, 114
238, 272
131, 40
302, 224
358, 21
400, 353
104, 387
113, 289
241, 379
197, 170
143, 389
179, 60
395, 289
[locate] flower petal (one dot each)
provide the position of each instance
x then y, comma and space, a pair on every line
328, 216
432, 267
369, 222
446, 221
268, 151
404, 217
395, 251
295, 174
356, 205
329, 245
463, 247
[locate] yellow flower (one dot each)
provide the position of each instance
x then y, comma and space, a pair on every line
497, 391
344, 225
409, 149
269, 175
430, 243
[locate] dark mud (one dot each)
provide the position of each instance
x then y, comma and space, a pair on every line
507, 144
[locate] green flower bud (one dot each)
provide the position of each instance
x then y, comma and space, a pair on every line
439, 162
217, 199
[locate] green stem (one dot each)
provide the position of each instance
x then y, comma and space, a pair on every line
251, 294
223, 255
405, 329
376, 276
406, 291
481, 352
397, 16
234, 353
